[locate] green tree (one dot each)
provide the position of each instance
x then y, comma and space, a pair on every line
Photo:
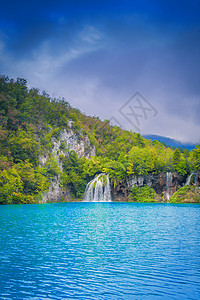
24, 145
142, 160
73, 176
179, 162
176, 157
196, 157
11, 186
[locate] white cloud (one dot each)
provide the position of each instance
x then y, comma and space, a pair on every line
90, 34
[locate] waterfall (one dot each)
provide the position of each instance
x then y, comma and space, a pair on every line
107, 190
195, 179
168, 184
189, 179
98, 189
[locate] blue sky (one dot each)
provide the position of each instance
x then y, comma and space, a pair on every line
97, 54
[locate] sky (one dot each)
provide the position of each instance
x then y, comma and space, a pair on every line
136, 63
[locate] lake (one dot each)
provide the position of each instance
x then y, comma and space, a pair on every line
100, 251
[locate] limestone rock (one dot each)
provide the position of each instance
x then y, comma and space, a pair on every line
71, 142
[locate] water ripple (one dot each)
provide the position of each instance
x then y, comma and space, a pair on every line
100, 251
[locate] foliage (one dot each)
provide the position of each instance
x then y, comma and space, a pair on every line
186, 194
73, 177
142, 194
24, 145
51, 168
179, 162
142, 160
11, 186
196, 158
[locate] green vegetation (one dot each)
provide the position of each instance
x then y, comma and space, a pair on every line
73, 175
29, 124
186, 194
142, 194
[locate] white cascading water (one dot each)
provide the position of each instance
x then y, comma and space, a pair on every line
168, 184
107, 190
189, 179
98, 190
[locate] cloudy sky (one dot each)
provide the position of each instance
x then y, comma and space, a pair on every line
134, 62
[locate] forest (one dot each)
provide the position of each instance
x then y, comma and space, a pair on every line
31, 120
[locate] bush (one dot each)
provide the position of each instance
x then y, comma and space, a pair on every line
142, 194
186, 194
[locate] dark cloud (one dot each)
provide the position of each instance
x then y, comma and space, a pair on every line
97, 53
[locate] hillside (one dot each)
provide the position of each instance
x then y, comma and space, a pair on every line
49, 149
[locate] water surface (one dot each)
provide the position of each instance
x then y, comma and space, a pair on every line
100, 251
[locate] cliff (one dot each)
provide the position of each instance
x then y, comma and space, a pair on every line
164, 184
67, 141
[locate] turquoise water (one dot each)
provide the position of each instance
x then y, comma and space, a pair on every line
100, 251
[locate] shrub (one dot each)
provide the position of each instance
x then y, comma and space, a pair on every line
186, 194
142, 194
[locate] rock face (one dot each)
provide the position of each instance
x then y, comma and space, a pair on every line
73, 142
54, 193
70, 141
164, 184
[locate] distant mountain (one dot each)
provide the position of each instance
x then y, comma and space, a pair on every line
169, 141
